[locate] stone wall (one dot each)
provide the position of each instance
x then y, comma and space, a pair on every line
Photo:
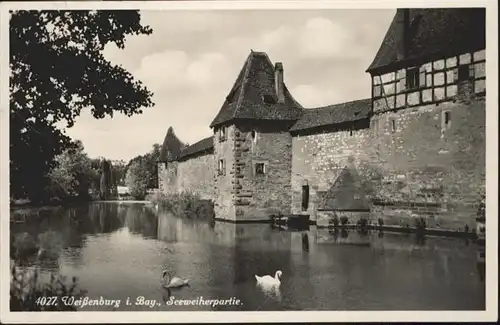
266, 146
318, 160
167, 177
196, 175
422, 161
224, 179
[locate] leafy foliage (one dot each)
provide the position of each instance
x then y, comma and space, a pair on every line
119, 172
107, 183
149, 162
58, 69
26, 291
185, 205
137, 179
73, 173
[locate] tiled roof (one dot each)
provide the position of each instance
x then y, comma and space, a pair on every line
198, 147
433, 33
333, 114
171, 147
253, 95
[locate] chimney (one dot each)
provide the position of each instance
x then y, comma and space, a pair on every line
403, 37
278, 81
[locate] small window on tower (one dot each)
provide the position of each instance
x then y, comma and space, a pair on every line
221, 169
254, 136
260, 169
222, 134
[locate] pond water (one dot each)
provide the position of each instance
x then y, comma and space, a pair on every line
119, 251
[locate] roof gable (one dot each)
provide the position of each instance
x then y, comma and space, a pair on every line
433, 33
253, 95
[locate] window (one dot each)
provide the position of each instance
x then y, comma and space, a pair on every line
374, 126
446, 120
221, 169
464, 72
412, 78
260, 169
254, 136
393, 125
222, 134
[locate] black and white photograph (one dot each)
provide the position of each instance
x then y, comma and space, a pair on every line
261, 158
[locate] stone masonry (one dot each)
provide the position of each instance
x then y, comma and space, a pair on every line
416, 148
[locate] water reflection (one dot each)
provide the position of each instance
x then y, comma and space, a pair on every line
120, 251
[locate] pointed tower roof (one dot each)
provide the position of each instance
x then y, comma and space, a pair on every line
171, 148
253, 95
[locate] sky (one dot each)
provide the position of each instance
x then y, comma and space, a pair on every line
192, 59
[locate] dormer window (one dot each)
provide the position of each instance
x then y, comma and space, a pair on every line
222, 134
268, 99
412, 78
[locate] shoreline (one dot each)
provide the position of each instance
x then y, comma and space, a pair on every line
435, 232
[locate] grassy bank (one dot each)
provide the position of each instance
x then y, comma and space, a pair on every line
185, 205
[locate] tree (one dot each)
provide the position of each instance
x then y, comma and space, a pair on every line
58, 69
72, 175
108, 189
149, 162
120, 170
137, 179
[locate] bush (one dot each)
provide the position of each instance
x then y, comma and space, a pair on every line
362, 222
26, 291
420, 224
185, 205
380, 222
137, 180
344, 220
335, 221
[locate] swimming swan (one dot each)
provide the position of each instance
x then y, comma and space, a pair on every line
174, 282
268, 280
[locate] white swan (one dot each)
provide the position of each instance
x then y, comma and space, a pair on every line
174, 282
268, 280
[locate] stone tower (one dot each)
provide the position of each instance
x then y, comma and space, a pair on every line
252, 144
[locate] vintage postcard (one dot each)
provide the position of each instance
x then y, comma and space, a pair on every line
249, 161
